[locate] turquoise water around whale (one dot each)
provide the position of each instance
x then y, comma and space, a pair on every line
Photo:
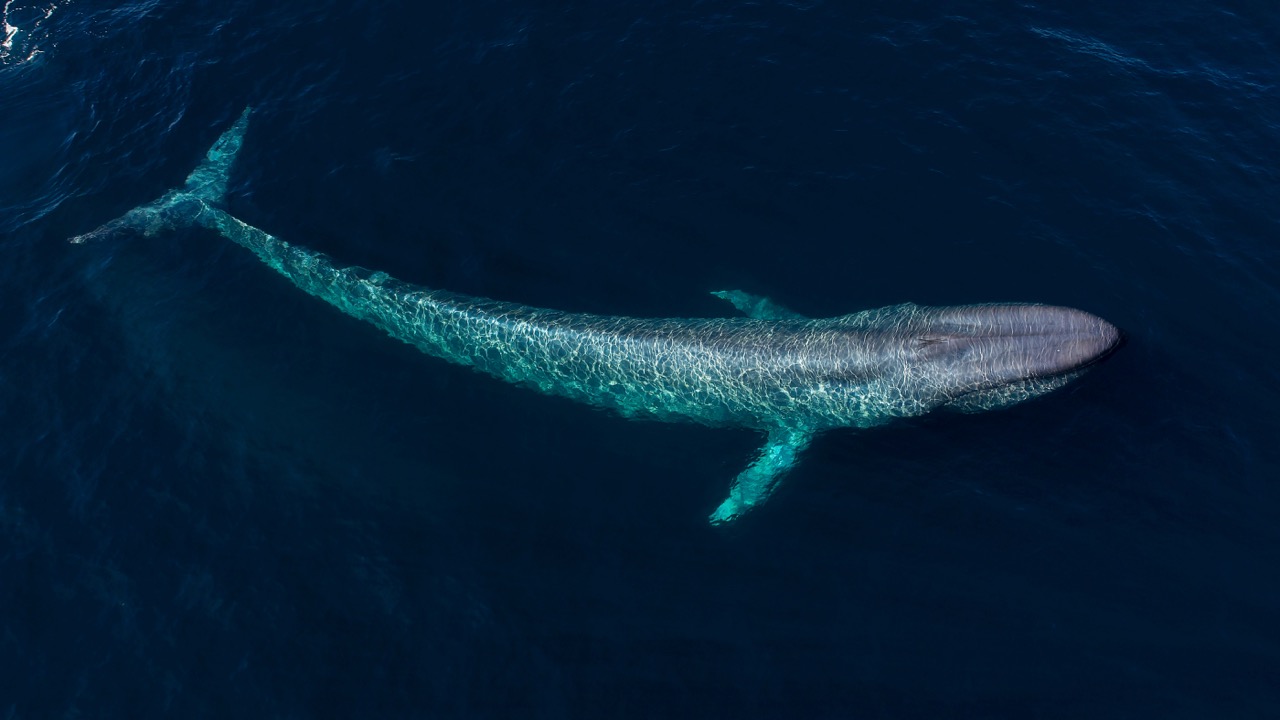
220, 497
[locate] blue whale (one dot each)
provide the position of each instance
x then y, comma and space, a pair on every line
773, 370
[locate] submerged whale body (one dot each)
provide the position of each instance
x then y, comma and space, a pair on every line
774, 370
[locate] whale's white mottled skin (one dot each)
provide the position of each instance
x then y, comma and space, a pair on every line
774, 371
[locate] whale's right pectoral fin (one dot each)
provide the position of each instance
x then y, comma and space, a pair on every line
755, 306
755, 484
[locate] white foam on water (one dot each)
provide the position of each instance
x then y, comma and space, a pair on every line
11, 31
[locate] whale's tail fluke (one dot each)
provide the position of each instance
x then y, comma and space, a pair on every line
208, 181
205, 187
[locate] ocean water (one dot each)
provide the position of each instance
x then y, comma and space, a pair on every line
222, 498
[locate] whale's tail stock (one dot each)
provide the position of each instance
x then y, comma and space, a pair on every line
206, 187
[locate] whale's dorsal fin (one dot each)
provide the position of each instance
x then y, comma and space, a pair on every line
755, 484
756, 306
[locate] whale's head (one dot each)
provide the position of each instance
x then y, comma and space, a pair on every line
981, 357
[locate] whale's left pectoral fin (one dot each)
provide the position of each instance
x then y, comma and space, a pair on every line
755, 484
756, 306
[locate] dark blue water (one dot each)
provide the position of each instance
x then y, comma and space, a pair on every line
222, 498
